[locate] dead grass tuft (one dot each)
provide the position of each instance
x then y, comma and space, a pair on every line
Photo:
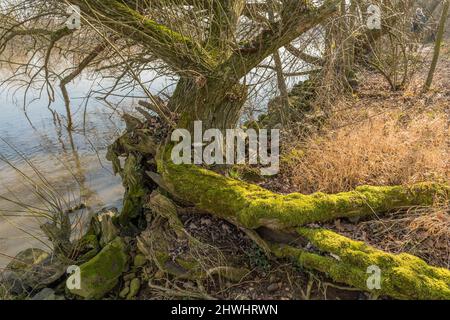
385, 148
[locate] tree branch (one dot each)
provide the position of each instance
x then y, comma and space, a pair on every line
304, 56
179, 51
296, 18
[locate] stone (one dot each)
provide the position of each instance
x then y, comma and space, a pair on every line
129, 276
124, 292
44, 274
205, 221
135, 285
33, 269
12, 283
139, 260
47, 294
27, 258
101, 274
273, 287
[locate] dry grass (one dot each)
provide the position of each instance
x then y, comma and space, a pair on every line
391, 148
378, 137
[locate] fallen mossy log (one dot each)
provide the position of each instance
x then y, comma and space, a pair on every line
402, 276
252, 206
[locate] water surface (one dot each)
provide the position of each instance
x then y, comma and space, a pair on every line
73, 163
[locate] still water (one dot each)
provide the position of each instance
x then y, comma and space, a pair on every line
74, 163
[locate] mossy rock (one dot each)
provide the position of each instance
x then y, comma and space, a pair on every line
88, 247
135, 286
25, 259
139, 260
32, 269
124, 292
101, 274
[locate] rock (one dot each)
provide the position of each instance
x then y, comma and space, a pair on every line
124, 292
88, 247
273, 287
135, 285
230, 273
45, 273
129, 276
139, 260
33, 269
188, 285
47, 294
193, 226
226, 228
108, 231
101, 274
205, 221
12, 284
26, 258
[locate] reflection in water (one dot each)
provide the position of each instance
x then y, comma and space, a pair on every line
72, 163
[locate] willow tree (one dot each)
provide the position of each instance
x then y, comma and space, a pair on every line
211, 47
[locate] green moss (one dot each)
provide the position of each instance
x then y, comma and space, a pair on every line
188, 264
161, 36
139, 260
135, 286
403, 276
135, 190
161, 257
88, 246
253, 206
100, 274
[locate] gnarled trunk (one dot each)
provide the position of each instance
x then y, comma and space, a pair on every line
215, 102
